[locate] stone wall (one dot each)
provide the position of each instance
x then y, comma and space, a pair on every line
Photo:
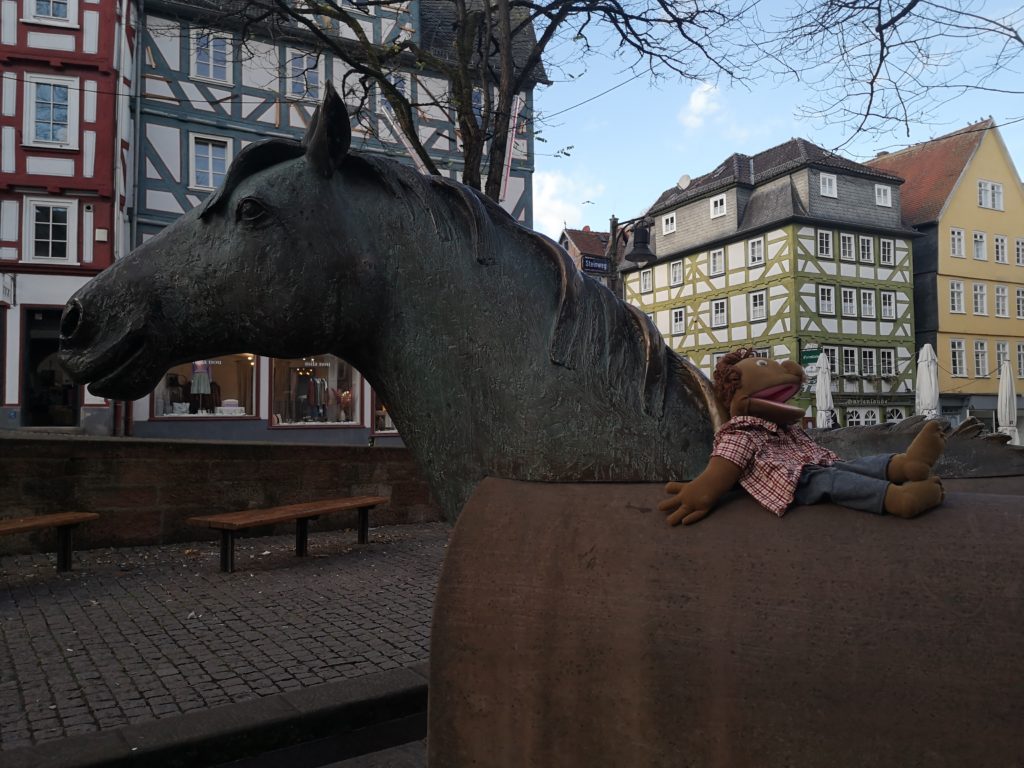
145, 489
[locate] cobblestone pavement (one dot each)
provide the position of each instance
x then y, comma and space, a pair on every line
150, 632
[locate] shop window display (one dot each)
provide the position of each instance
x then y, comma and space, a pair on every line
315, 391
382, 422
220, 386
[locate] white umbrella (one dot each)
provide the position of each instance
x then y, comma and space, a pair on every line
823, 392
926, 399
1006, 404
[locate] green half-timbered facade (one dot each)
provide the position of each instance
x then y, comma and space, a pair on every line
794, 252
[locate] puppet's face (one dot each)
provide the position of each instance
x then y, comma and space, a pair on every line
765, 386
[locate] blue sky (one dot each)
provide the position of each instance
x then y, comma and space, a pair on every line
634, 142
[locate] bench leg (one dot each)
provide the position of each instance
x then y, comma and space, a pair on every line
64, 547
227, 551
364, 525
301, 536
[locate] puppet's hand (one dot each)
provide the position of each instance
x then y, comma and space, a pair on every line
683, 505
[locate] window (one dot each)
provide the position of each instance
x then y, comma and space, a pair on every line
895, 413
857, 417
832, 353
51, 228
887, 362
303, 76
826, 300
849, 361
755, 252
979, 246
980, 299
220, 387
980, 359
956, 243
679, 320
867, 251
211, 56
867, 362
999, 249
824, 244
883, 195
957, 357
1002, 301
668, 224
888, 301
849, 296
321, 390
647, 281
62, 13
761, 353
1002, 354
51, 111
719, 313
675, 273
1020, 360
956, 296
846, 247
867, 302
828, 185
886, 253
398, 81
758, 309
717, 262
1020, 303
990, 195
717, 206
1020, 252
210, 159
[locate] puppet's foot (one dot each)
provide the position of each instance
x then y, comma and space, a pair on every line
917, 462
914, 497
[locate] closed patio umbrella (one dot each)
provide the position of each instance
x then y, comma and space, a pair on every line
823, 393
926, 397
1006, 404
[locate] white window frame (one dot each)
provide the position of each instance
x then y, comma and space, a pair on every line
718, 206
866, 255
867, 302
956, 243
979, 240
1020, 251
844, 241
716, 262
1002, 301
194, 73
291, 80
646, 280
887, 362
70, 204
825, 237
28, 133
851, 361
1020, 303
753, 299
887, 304
675, 273
193, 138
957, 358
887, 252
883, 195
981, 370
990, 195
1000, 251
956, 297
29, 15
668, 223
1002, 353
1020, 359
755, 260
678, 316
979, 298
848, 305
832, 355
830, 300
867, 363
719, 313
828, 185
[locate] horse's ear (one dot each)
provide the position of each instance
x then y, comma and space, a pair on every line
329, 134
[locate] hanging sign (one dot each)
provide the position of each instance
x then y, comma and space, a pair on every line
7, 289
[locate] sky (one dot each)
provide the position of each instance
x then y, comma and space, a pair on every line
634, 142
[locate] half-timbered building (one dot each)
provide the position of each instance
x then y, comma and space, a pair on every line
794, 252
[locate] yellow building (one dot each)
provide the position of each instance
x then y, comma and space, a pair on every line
963, 193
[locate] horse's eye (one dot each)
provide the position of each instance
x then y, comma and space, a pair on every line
250, 210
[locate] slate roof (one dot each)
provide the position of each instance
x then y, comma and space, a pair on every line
931, 170
588, 242
752, 170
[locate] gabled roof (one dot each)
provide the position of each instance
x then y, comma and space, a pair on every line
931, 170
588, 242
752, 170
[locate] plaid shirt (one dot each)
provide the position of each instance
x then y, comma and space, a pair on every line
771, 457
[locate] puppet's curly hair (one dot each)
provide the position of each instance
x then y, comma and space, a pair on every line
727, 378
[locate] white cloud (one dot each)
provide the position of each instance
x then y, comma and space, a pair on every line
558, 202
703, 103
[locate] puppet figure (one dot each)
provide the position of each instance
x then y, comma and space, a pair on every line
763, 449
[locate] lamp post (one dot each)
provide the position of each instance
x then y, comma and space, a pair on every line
638, 250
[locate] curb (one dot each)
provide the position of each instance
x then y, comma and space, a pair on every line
371, 712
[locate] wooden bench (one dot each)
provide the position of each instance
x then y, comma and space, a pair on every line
230, 523
62, 521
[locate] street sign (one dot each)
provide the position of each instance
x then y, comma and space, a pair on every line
809, 355
596, 264
7, 289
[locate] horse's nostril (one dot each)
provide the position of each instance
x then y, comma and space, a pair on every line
71, 320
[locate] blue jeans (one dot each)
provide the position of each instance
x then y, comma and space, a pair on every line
859, 484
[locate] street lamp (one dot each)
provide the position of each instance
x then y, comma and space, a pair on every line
638, 251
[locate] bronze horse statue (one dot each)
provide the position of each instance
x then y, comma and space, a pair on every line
495, 355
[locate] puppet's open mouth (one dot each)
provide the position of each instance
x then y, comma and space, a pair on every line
780, 393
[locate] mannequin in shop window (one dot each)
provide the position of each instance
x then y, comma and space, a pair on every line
204, 393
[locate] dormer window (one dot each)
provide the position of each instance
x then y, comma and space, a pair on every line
828, 185
718, 206
883, 195
668, 224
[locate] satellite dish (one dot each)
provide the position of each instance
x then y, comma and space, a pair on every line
684, 181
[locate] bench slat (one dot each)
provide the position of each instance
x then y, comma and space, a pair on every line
236, 521
23, 524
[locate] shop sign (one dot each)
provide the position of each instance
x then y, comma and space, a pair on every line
596, 264
6, 289
809, 356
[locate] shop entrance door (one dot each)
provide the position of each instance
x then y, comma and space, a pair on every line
50, 397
